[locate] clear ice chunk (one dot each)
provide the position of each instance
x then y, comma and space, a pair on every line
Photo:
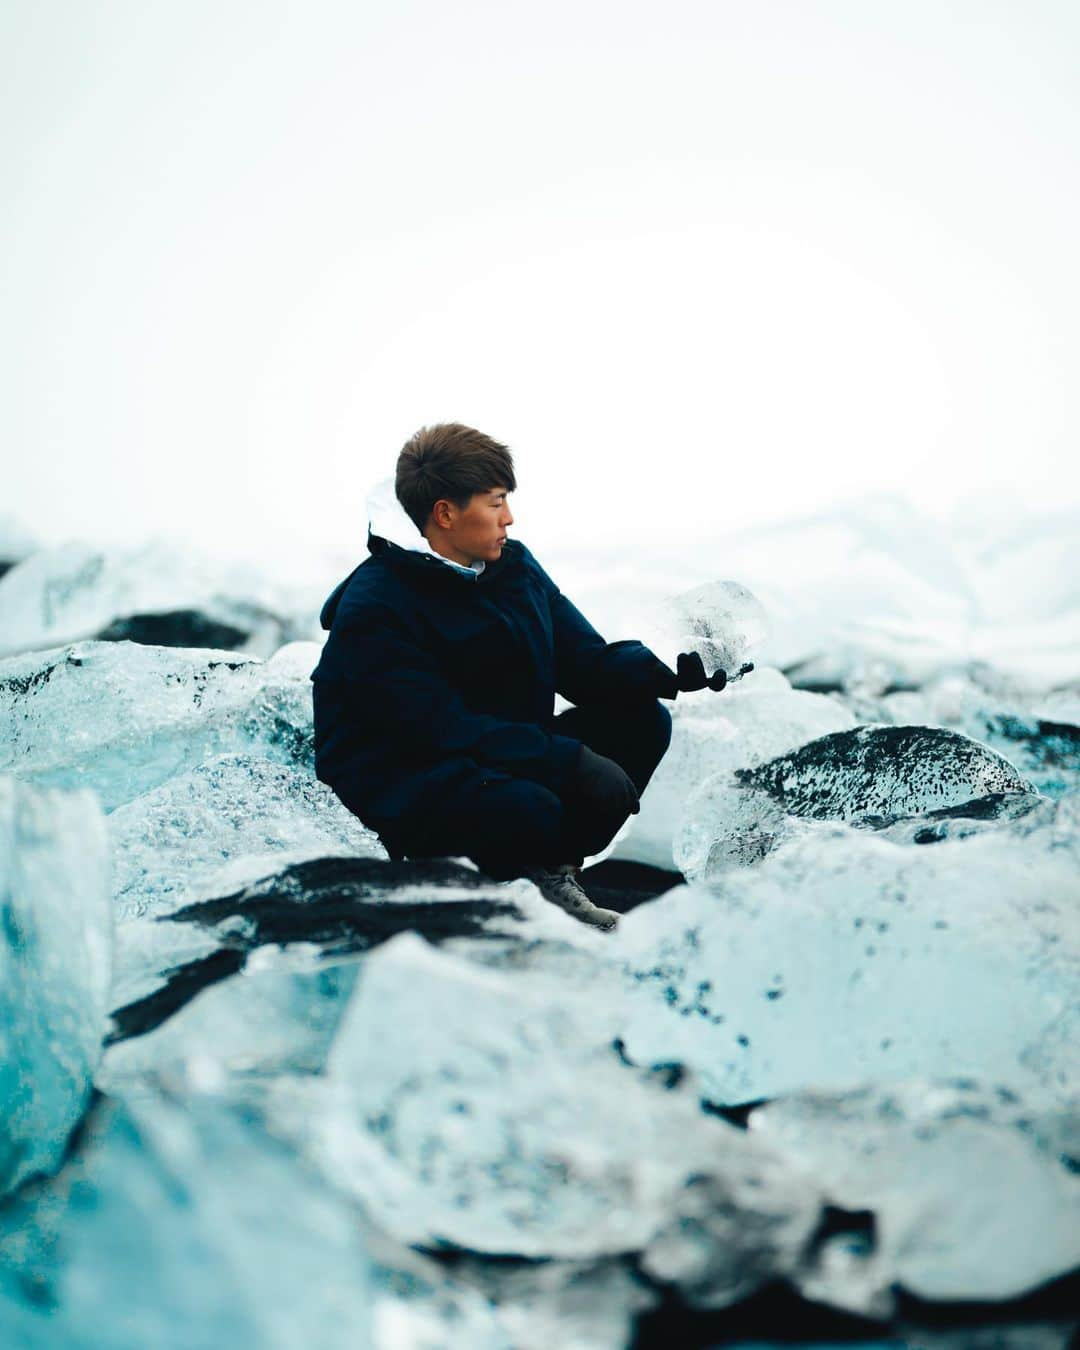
470, 1106
122, 718
221, 825
714, 734
278, 1015
720, 620
55, 970
844, 958
871, 774
972, 1192
181, 1224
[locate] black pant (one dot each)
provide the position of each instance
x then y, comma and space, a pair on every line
507, 825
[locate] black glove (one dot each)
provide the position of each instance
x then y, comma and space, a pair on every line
604, 787
691, 675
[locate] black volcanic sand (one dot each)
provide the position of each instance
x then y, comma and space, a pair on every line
622, 886
778, 1315
343, 904
174, 628
337, 902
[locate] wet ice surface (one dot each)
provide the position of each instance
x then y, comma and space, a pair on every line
874, 776
827, 1091
723, 621
803, 968
165, 1185
56, 948
980, 1198
122, 718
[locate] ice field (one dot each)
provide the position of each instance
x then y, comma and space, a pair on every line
263, 1087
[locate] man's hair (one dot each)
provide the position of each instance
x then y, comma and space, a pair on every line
452, 461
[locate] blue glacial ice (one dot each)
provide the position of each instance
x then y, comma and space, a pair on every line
56, 949
843, 958
974, 1191
122, 718
842, 1055
181, 1225
868, 775
504, 1122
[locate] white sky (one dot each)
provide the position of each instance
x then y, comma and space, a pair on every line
701, 265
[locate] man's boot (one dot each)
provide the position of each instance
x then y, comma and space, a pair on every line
560, 886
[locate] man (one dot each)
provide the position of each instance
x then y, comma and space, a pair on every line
434, 695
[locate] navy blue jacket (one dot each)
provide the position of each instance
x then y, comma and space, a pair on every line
430, 677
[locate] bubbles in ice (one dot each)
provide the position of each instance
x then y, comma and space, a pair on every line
720, 620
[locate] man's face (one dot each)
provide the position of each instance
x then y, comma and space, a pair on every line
478, 531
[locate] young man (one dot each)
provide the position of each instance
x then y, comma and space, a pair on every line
435, 692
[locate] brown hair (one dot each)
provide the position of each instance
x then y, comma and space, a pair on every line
452, 461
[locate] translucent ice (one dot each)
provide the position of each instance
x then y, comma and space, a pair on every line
267, 1019
715, 734
720, 620
182, 1225
974, 1195
121, 718
153, 593
466, 1106
871, 774
844, 958
222, 824
55, 965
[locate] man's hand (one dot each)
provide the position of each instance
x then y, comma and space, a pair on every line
691, 674
604, 787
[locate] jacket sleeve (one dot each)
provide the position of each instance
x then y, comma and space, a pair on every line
589, 670
396, 692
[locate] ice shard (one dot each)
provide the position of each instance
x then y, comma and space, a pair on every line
466, 1107
714, 734
55, 969
874, 775
180, 1224
974, 1193
122, 718
844, 958
722, 621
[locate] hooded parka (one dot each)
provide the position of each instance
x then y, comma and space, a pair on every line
434, 674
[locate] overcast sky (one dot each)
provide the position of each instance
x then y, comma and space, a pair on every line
701, 265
